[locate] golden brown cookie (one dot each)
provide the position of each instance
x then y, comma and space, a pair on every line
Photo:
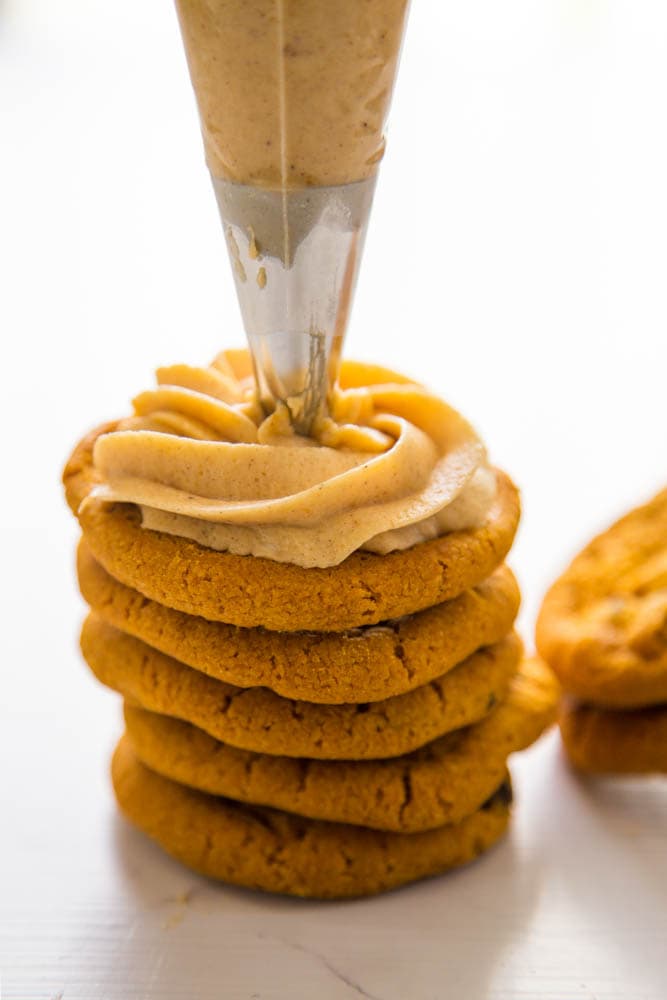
441, 783
257, 719
266, 849
603, 624
367, 664
604, 741
249, 591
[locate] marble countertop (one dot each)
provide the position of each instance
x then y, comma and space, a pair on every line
572, 904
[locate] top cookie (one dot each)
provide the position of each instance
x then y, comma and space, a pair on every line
244, 590
603, 624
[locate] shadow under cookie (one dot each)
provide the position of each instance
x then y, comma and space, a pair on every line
367, 664
440, 783
259, 720
277, 852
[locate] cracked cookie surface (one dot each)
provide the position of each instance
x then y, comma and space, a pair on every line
603, 624
367, 664
248, 591
266, 849
441, 783
260, 720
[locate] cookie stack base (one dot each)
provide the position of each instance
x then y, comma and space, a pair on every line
261, 848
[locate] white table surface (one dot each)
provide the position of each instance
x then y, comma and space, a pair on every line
521, 273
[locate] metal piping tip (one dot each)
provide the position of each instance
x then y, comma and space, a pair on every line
295, 258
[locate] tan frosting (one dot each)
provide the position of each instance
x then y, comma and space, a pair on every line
292, 94
392, 466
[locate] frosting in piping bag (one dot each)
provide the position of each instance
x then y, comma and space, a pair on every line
392, 466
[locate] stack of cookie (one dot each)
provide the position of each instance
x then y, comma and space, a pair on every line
603, 629
319, 732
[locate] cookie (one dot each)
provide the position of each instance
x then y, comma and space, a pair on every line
366, 664
603, 624
257, 719
266, 849
248, 591
603, 741
441, 783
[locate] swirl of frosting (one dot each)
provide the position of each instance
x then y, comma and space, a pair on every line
391, 467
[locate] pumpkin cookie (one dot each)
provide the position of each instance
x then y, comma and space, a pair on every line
367, 664
603, 624
441, 783
257, 719
600, 741
266, 849
248, 591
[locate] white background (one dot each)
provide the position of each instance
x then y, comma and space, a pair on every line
516, 262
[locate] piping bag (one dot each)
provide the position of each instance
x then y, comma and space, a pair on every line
293, 96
